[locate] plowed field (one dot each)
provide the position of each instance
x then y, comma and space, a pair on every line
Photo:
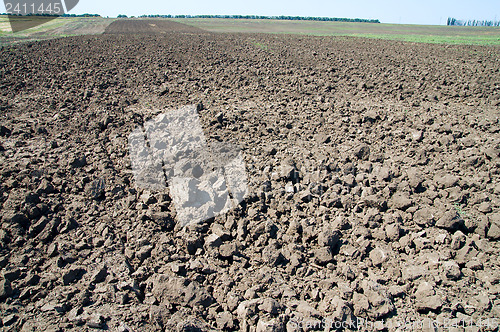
373, 169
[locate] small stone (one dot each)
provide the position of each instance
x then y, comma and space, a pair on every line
32, 279
96, 321
100, 275
82, 245
305, 196
401, 201
270, 306
307, 310
349, 180
224, 321
492, 153
425, 289
78, 162
458, 240
450, 221
341, 312
9, 320
323, 256
191, 323
45, 187
322, 138
465, 254
378, 256
428, 303
250, 293
48, 232
247, 308
328, 238
417, 135
193, 243
52, 249
341, 223
12, 274
124, 328
362, 152
397, 291
452, 270
468, 142
95, 189
349, 168
227, 250
393, 231
422, 243
197, 171
288, 172
148, 198
446, 181
384, 174
233, 301
378, 298
5, 289
213, 241
494, 230
220, 117
289, 188
98, 242
414, 178
424, 217
4, 131
371, 116
72, 276
13, 217
414, 272
272, 255
484, 207
270, 150
482, 302
54, 306
37, 227
272, 325
178, 268
144, 252
474, 265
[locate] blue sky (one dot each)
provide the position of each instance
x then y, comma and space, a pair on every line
387, 11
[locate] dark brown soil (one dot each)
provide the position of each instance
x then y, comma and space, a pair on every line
373, 166
150, 26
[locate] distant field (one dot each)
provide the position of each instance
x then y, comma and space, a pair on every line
403, 32
62, 27
5, 26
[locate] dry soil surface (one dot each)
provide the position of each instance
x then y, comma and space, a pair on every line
373, 169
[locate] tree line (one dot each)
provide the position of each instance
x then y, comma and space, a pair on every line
81, 15
472, 23
259, 17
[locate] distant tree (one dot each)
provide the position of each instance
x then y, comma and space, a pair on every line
81, 15
472, 23
259, 17
122, 16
